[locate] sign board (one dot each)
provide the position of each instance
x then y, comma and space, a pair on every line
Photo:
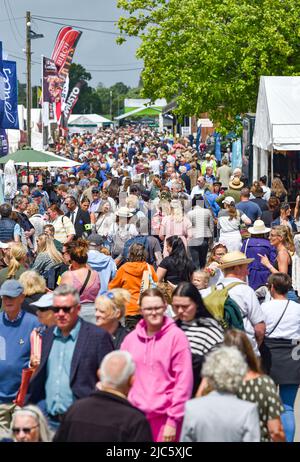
185, 131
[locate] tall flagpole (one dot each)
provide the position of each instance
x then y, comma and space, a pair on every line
28, 74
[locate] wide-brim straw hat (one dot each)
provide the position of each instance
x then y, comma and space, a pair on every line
124, 212
236, 183
235, 258
259, 228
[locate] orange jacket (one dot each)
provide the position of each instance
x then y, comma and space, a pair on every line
129, 277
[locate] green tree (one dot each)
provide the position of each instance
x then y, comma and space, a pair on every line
210, 54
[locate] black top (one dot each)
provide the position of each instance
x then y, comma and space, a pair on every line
261, 203
103, 417
119, 335
176, 274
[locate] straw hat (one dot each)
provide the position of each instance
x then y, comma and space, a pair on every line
124, 212
236, 183
235, 258
259, 228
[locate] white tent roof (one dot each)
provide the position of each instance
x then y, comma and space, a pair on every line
277, 123
87, 119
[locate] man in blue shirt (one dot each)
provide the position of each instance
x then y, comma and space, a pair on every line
16, 326
71, 352
249, 208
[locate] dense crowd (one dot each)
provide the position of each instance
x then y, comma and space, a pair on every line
149, 294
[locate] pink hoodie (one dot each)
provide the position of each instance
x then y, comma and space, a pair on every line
163, 377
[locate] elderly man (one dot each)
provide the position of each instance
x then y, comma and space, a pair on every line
199, 189
71, 353
80, 219
235, 268
15, 328
106, 415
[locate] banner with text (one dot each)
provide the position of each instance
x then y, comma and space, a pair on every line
70, 103
9, 115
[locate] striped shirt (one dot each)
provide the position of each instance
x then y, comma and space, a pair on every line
63, 228
203, 334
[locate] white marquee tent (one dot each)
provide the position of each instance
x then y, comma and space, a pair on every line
277, 124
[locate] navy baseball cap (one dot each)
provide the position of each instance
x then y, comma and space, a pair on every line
37, 194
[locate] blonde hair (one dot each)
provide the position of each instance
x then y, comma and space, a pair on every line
132, 201
33, 283
32, 209
17, 253
287, 238
176, 210
114, 300
46, 244
278, 188
204, 274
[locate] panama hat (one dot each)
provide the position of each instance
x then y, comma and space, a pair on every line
236, 183
258, 228
234, 259
124, 212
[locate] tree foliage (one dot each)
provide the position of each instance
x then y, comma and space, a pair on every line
210, 54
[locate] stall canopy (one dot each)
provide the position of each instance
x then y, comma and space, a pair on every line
38, 159
277, 124
87, 120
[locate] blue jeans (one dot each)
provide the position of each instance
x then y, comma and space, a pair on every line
288, 395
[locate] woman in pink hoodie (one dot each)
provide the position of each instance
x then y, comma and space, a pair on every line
163, 378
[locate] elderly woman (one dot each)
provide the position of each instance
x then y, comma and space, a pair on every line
102, 219
110, 309
221, 416
30, 426
34, 287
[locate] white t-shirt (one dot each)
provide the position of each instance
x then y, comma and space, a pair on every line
249, 305
154, 165
289, 326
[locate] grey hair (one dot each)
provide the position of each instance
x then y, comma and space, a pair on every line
18, 200
67, 289
125, 371
225, 369
36, 413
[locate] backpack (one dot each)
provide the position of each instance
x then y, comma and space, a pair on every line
136, 240
223, 308
51, 276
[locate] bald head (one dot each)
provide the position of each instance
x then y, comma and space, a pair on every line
116, 370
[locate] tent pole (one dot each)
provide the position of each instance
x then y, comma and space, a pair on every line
272, 166
28, 174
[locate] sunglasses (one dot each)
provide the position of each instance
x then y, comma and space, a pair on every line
66, 309
26, 430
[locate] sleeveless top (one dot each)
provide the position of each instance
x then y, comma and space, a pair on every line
290, 265
92, 289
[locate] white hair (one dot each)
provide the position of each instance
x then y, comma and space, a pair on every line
40, 419
225, 369
116, 368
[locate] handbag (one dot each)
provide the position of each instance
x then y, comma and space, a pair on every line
35, 341
147, 280
21, 395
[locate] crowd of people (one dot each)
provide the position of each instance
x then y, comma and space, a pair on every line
149, 294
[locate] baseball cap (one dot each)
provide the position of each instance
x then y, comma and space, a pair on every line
95, 239
95, 190
39, 183
228, 200
44, 303
37, 194
4, 245
11, 288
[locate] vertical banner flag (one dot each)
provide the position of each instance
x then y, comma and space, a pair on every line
218, 154
236, 160
51, 89
70, 103
3, 143
1, 84
9, 116
62, 55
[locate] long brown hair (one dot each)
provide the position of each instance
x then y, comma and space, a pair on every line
278, 188
17, 256
239, 339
